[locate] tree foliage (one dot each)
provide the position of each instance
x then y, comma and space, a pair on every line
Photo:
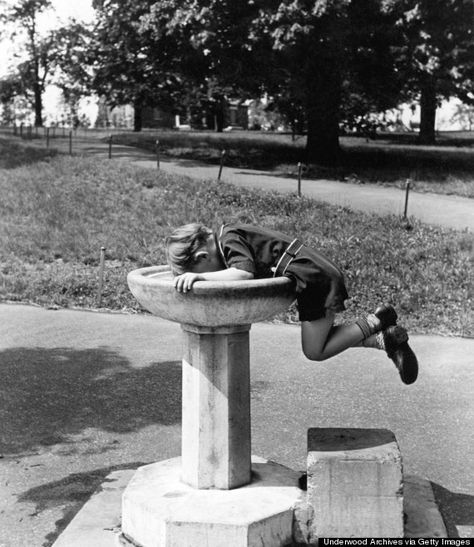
308, 55
73, 74
134, 62
34, 70
436, 56
323, 62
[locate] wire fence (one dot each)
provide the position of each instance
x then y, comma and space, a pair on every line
29, 132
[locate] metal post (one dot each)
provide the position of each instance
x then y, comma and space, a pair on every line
299, 179
110, 146
70, 143
101, 276
407, 191
221, 165
157, 147
47, 137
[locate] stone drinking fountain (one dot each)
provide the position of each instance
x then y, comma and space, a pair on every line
216, 494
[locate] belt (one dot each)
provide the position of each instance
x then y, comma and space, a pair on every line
291, 251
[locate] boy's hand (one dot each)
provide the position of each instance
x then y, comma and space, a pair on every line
184, 282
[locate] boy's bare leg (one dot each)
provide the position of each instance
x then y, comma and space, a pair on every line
320, 339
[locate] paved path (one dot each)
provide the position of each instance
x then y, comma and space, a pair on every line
84, 393
449, 211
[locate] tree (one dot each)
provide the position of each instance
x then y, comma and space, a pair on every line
338, 59
34, 71
301, 52
73, 72
436, 57
136, 63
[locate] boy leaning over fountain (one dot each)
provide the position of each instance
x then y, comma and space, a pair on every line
242, 252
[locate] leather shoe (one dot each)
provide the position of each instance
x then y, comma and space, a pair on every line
397, 348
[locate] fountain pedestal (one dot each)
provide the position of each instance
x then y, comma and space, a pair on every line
216, 494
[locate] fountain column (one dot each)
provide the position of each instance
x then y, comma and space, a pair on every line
216, 407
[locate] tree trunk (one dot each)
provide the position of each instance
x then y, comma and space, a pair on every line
428, 106
219, 112
38, 106
324, 97
137, 116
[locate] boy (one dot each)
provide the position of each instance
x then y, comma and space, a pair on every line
241, 252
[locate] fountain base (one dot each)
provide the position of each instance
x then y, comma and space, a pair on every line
158, 509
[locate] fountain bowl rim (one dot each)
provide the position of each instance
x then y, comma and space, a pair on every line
157, 276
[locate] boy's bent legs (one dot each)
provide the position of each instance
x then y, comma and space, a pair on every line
321, 340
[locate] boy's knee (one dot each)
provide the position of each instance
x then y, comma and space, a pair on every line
313, 354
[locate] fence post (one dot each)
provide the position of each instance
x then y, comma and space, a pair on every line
21, 130
47, 137
157, 148
299, 179
101, 276
110, 146
407, 191
70, 142
221, 165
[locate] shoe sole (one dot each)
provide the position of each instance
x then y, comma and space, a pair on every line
406, 362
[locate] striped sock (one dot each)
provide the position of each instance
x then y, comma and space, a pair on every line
369, 325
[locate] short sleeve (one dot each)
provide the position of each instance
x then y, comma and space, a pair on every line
237, 252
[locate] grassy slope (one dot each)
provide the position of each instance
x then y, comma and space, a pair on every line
55, 215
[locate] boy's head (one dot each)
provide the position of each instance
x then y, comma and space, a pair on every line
189, 248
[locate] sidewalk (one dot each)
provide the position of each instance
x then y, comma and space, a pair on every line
86, 393
448, 211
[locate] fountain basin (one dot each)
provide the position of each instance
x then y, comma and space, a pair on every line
210, 303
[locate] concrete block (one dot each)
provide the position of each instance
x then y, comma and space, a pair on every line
354, 483
158, 510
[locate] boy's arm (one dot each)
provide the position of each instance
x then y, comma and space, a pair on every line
184, 282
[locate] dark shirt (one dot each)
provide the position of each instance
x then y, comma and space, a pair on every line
251, 248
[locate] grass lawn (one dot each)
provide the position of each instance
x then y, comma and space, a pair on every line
447, 168
56, 213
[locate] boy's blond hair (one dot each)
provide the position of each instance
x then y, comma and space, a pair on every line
182, 245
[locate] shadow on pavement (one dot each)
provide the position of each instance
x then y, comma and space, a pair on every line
69, 493
456, 509
48, 394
